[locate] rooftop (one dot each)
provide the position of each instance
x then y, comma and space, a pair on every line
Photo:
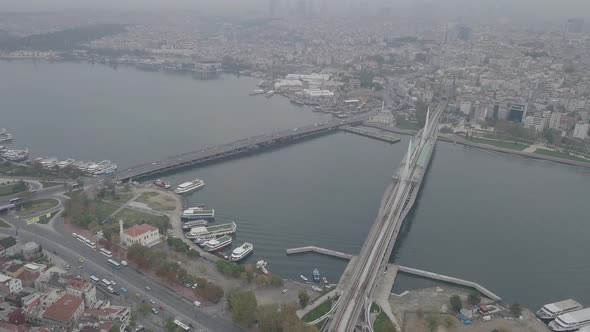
63, 310
138, 230
78, 284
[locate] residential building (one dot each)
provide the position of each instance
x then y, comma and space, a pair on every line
10, 285
9, 246
536, 122
65, 312
555, 120
82, 289
144, 234
581, 130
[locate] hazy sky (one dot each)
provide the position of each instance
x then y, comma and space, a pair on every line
531, 8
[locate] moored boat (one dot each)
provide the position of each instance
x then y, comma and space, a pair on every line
197, 213
325, 280
208, 232
241, 252
552, 310
571, 321
187, 226
303, 278
162, 184
256, 92
316, 275
218, 244
190, 186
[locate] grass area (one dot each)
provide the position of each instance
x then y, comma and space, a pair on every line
47, 184
45, 218
558, 154
104, 210
133, 217
406, 124
508, 138
12, 188
119, 197
37, 206
500, 144
375, 307
4, 224
157, 201
383, 324
318, 312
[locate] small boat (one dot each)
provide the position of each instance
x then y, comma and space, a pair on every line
218, 244
316, 275
325, 280
188, 187
264, 270
261, 263
256, 92
241, 252
270, 93
303, 278
316, 288
162, 184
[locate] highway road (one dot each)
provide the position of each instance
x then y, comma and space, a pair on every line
56, 238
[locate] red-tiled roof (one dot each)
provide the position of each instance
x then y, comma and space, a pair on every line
63, 310
137, 230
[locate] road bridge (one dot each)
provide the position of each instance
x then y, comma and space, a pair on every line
234, 149
395, 204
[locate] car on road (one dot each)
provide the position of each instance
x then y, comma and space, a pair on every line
138, 295
152, 301
67, 266
148, 288
155, 311
81, 267
123, 290
81, 260
161, 307
113, 283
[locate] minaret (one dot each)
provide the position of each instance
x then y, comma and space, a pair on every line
121, 232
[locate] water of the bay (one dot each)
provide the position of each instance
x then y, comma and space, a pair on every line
517, 226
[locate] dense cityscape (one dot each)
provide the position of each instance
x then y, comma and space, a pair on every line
114, 246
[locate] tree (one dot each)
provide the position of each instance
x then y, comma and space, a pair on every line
243, 307
449, 322
515, 309
280, 318
143, 309
432, 322
303, 298
474, 298
456, 303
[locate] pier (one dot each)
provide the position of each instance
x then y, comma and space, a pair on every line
241, 147
323, 251
452, 280
371, 134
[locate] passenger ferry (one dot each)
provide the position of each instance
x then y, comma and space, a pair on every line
187, 187
208, 232
187, 226
241, 252
16, 155
218, 244
197, 213
552, 310
571, 321
49, 163
65, 163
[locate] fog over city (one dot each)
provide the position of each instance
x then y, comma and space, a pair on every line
294, 165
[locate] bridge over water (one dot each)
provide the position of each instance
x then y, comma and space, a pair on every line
356, 291
241, 147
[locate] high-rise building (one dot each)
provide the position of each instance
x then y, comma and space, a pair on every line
517, 112
555, 120
574, 25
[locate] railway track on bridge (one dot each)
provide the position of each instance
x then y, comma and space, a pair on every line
381, 238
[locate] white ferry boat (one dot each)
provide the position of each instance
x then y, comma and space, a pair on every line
571, 321
187, 226
241, 252
65, 163
110, 168
208, 232
218, 244
552, 310
197, 213
187, 187
16, 155
49, 163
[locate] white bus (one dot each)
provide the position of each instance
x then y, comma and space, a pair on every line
91, 245
181, 324
106, 283
94, 279
106, 252
81, 238
114, 263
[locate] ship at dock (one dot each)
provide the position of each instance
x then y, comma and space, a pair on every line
208, 232
4, 136
195, 213
188, 225
241, 252
190, 186
214, 245
162, 184
15, 155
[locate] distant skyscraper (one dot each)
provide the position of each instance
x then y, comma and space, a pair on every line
574, 25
